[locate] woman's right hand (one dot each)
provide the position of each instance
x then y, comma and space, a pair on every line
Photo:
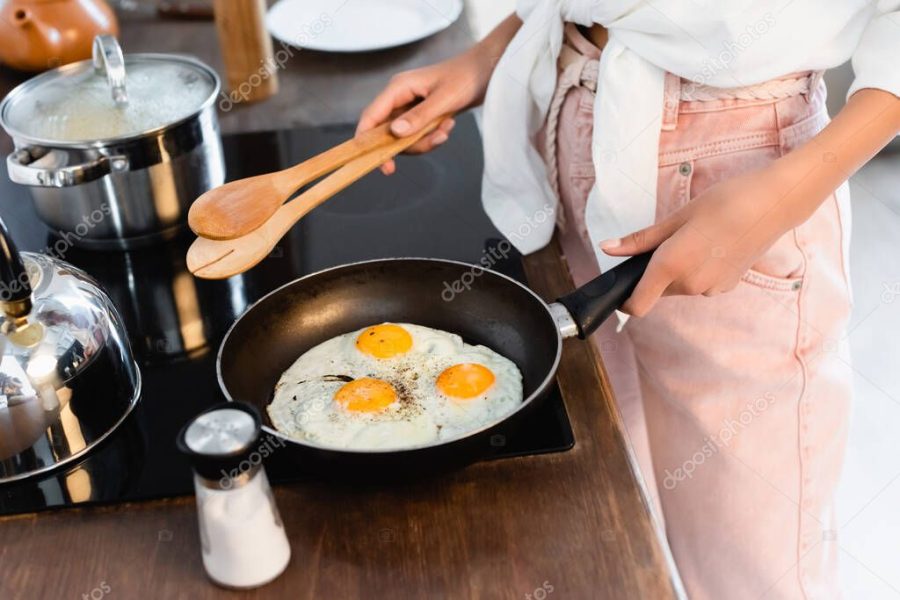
443, 88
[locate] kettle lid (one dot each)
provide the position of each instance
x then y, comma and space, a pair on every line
54, 319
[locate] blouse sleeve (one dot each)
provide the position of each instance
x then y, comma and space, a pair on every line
876, 57
525, 7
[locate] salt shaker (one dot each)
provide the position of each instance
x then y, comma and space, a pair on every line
243, 538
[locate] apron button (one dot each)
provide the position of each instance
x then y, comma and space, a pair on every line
796, 285
684, 168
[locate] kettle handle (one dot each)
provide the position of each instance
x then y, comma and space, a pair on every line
15, 287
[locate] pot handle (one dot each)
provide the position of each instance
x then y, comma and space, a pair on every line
20, 165
596, 300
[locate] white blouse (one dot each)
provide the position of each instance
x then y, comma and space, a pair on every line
721, 43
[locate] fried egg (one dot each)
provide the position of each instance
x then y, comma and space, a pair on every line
393, 385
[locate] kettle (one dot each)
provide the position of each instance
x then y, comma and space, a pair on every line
36, 35
68, 378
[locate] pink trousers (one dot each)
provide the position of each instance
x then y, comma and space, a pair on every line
737, 404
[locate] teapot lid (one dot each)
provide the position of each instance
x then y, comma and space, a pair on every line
109, 97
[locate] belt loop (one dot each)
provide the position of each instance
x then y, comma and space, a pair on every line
815, 78
671, 102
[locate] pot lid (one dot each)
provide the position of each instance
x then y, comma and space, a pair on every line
111, 96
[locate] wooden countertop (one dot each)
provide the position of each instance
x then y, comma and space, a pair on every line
575, 521
501, 529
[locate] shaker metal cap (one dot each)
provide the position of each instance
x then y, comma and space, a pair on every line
221, 431
220, 438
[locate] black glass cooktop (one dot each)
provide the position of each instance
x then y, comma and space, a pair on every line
430, 208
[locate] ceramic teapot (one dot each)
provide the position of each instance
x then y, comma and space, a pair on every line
36, 35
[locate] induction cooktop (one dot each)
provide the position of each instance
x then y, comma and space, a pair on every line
431, 207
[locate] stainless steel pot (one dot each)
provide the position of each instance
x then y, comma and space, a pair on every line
67, 375
124, 190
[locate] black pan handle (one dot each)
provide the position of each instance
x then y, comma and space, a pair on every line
593, 302
14, 284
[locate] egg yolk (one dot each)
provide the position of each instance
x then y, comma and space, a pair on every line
366, 395
466, 380
384, 341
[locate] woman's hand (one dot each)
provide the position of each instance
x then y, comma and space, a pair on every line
706, 246
444, 88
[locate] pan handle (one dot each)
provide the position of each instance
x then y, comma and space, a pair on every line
596, 300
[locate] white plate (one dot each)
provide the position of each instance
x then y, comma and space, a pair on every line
358, 25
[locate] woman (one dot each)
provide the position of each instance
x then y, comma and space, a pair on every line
698, 130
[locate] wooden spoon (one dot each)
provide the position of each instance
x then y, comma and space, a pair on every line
218, 259
238, 207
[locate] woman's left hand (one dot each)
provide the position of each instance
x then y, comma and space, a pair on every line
706, 246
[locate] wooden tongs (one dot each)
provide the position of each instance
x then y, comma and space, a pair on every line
240, 222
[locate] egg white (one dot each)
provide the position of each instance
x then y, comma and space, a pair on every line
461, 415
304, 408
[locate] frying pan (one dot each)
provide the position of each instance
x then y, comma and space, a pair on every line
482, 306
